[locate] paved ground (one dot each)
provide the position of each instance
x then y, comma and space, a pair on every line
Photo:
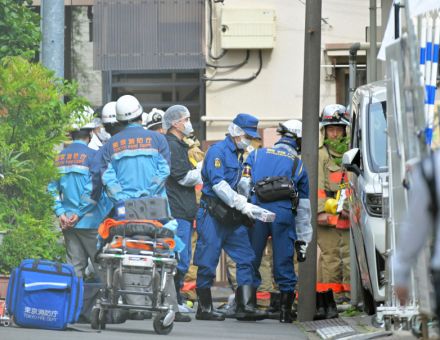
229, 329
133, 330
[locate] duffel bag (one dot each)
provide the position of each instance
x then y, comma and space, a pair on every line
44, 294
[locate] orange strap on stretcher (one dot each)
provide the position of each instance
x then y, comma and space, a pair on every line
104, 227
118, 243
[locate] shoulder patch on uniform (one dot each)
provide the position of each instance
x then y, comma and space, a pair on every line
217, 163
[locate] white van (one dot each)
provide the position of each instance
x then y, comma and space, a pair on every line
366, 162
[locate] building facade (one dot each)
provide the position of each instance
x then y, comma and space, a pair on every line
159, 51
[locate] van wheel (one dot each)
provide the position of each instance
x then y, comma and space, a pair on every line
416, 326
97, 318
369, 303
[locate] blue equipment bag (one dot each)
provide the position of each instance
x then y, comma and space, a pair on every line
44, 294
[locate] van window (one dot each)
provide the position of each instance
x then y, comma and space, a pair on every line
377, 138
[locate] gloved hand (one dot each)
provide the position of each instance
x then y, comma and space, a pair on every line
301, 249
240, 202
244, 186
248, 210
331, 206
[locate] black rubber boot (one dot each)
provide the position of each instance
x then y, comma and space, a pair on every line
177, 283
273, 312
228, 310
286, 302
182, 317
246, 299
205, 311
320, 306
331, 310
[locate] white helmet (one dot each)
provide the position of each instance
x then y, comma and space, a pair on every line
84, 119
128, 108
335, 114
154, 118
108, 114
291, 128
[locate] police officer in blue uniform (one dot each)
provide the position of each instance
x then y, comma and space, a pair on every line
220, 221
78, 214
271, 166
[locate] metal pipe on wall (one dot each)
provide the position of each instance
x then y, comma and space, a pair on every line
352, 70
372, 64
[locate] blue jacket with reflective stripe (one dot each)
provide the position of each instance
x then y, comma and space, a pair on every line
72, 191
134, 163
277, 161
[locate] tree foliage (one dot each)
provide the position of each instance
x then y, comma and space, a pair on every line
34, 119
20, 29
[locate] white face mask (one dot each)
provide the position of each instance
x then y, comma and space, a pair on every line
250, 148
243, 143
103, 135
187, 128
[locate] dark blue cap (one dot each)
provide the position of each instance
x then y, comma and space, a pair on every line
248, 123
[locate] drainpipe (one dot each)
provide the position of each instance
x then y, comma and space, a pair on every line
372, 64
352, 70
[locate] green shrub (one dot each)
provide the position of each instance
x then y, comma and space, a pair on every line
31, 238
20, 29
34, 119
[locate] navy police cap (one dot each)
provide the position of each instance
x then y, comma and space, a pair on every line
248, 124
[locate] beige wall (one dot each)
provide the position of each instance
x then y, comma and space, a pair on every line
277, 92
90, 81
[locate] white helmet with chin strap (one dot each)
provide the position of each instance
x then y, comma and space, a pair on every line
108, 114
291, 128
128, 108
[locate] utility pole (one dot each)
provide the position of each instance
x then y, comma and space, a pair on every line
372, 62
52, 50
310, 144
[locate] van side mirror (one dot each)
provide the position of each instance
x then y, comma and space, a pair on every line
351, 161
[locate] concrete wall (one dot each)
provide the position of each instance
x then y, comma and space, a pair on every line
277, 92
90, 81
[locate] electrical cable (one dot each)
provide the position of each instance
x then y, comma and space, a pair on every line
244, 62
223, 53
241, 80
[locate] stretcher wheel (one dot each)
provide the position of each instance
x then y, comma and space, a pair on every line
97, 318
416, 326
387, 321
158, 326
376, 322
